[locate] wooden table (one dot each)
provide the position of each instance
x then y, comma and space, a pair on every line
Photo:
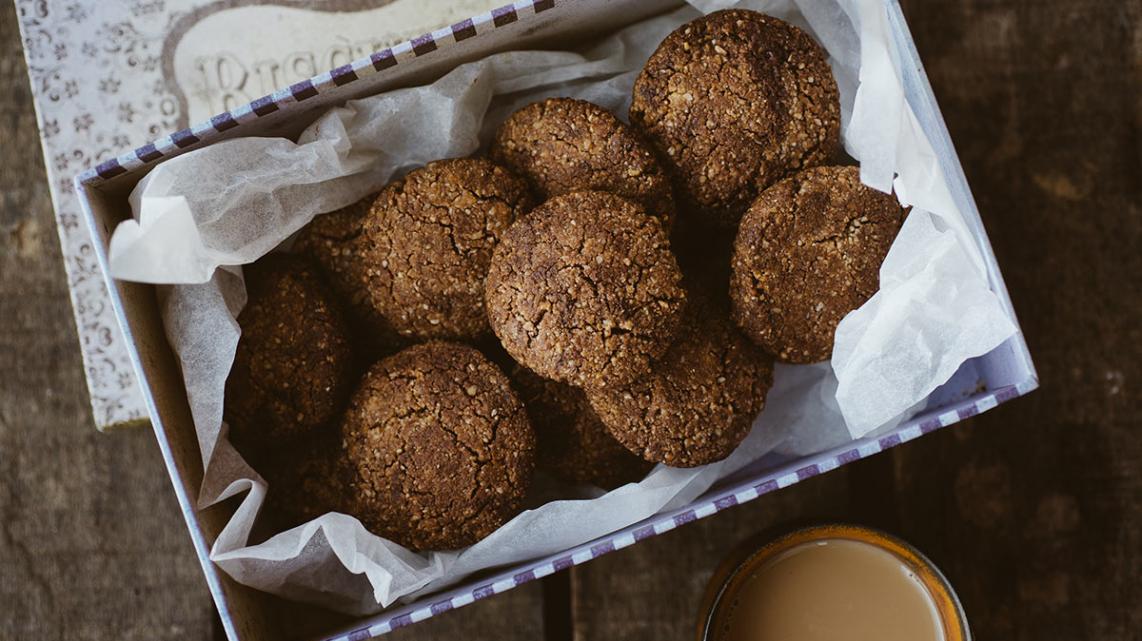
1033, 510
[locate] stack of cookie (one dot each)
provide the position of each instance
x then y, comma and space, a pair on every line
592, 297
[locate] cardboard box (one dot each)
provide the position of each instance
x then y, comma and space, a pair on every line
979, 385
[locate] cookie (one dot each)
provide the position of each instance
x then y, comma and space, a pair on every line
293, 368
698, 402
439, 446
573, 443
585, 290
734, 101
704, 255
561, 145
305, 480
808, 252
336, 243
430, 237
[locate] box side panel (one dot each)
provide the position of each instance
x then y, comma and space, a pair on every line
160, 379
1010, 364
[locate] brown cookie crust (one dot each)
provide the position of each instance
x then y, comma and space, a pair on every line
336, 243
293, 368
807, 253
430, 237
440, 447
573, 443
734, 101
306, 480
585, 290
699, 401
562, 145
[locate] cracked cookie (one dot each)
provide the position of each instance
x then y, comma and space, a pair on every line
734, 101
335, 242
561, 145
429, 239
293, 368
807, 253
585, 290
698, 402
440, 447
573, 444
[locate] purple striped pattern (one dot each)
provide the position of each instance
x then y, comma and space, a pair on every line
933, 419
808, 471
504, 15
463, 30
766, 486
306, 89
643, 533
725, 502
219, 123
440, 607
400, 621
424, 44
302, 90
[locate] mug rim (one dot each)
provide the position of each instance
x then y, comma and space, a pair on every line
944, 597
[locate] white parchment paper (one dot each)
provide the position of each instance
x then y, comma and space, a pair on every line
203, 214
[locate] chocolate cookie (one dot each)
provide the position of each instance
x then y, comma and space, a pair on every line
700, 399
306, 480
585, 290
336, 243
440, 447
734, 101
573, 443
430, 237
704, 255
293, 368
808, 252
561, 145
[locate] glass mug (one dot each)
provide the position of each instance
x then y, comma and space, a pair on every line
831, 582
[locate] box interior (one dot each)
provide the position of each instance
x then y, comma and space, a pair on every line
252, 615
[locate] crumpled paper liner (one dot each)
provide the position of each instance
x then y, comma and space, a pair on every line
201, 215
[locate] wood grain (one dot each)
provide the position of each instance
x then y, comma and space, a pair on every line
1032, 510
652, 590
92, 545
1035, 510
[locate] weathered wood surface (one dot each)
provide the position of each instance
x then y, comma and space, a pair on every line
91, 542
1033, 510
